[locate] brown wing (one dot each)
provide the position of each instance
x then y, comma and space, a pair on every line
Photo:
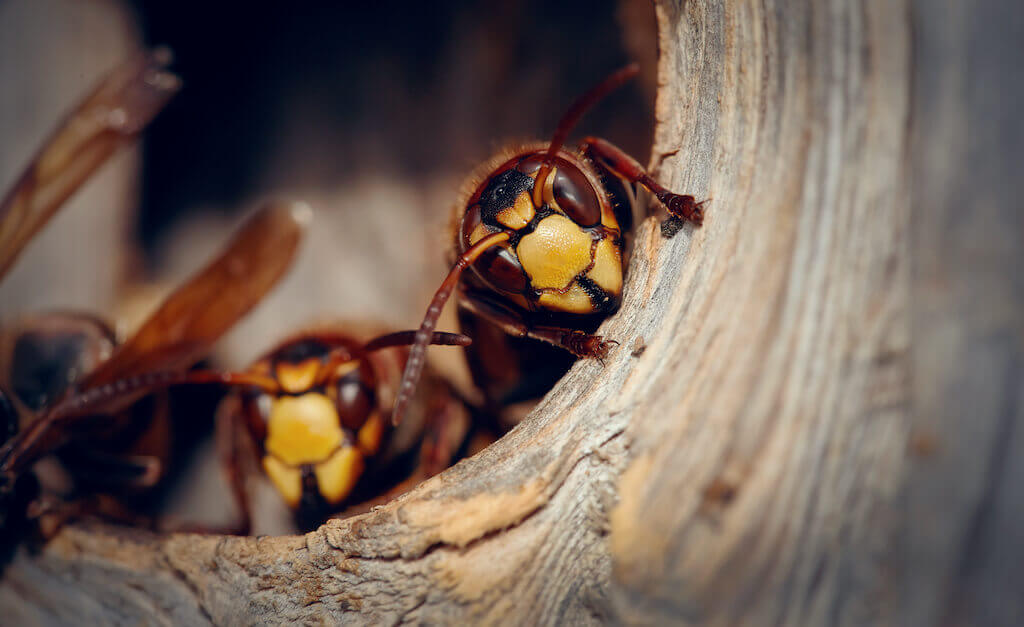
173, 338
199, 312
110, 117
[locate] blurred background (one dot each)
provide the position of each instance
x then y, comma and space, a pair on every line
371, 112
372, 115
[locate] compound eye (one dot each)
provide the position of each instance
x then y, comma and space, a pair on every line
54, 351
575, 195
356, 397
500, 267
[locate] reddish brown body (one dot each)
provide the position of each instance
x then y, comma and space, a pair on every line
544, 232
43, 357
320, 426
68, 387
586, 279
507, 366
100, 405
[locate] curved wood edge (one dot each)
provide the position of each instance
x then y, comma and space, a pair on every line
756, 450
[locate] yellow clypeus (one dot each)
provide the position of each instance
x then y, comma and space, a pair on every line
554, 253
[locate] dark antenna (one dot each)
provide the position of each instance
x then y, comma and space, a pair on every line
391, 340
572, 116
44, 434
417, 354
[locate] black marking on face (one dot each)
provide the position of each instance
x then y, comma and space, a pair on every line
312, 507
598, 297
531, 226
501, 193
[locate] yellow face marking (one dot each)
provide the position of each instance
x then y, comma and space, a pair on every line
371, 434
574, 300
481, 231
303, 429
524, 206
554, 253
608, 219
286, 479
519, 214
345, 368
297, 378
510, 218
607, 270
549, 190
338, 475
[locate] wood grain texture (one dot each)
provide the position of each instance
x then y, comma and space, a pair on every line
810, 418
960, 550
771, 413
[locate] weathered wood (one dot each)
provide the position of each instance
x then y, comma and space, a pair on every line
782, 436
769, 422
960, 550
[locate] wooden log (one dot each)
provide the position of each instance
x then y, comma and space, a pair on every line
782, 435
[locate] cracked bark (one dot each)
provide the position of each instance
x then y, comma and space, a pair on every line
767, 456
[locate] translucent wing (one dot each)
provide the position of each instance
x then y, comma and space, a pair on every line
177, 335
110, 117
183, 328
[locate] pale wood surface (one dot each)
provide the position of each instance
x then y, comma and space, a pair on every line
959, 553
811, 418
